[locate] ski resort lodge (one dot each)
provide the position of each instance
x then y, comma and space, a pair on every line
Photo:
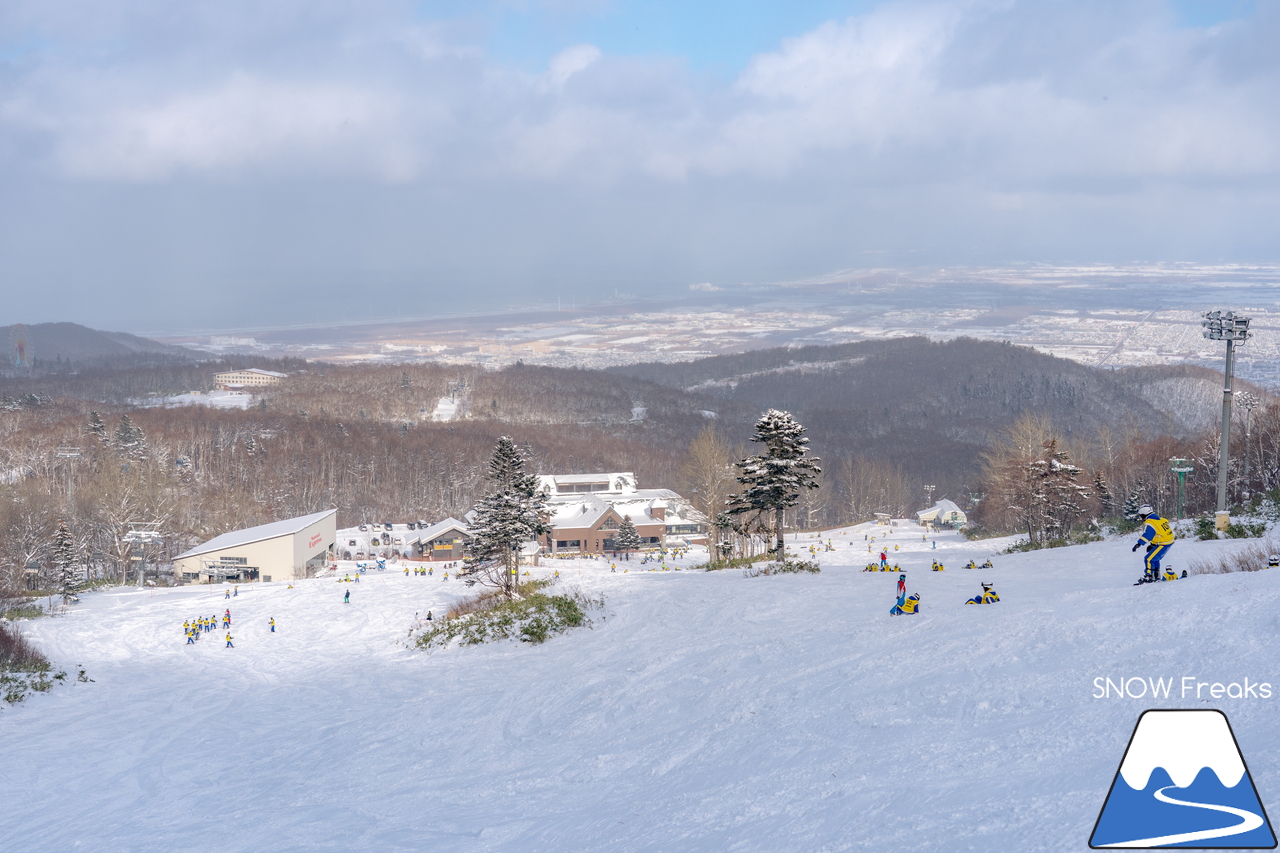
587, 509
444, 540
944, 512
280, 551
238, 380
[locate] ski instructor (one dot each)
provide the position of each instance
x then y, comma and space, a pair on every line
1157, 535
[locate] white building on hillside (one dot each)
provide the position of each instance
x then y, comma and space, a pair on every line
238, 380
586, 510
280, 551
943, 512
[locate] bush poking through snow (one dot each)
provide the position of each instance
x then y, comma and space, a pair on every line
533, 617
786, 567
1250, 557
23, 669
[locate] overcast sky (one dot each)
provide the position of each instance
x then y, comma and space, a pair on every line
173, 165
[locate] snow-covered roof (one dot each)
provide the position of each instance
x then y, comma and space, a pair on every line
442, 527
261, 533
587, 509
259, 371
943, 507
617, 482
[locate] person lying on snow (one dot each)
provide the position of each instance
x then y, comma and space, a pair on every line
989, 596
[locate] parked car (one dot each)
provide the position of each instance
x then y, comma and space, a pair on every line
364, 527
386, 525
409, 525
351, 543
422, 525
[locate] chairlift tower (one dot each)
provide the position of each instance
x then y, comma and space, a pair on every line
71, 454
1232, 328
142, 534
1182, 468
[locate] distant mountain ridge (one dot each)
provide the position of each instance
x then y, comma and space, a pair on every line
51, 343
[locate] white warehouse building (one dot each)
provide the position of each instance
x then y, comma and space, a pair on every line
280, 551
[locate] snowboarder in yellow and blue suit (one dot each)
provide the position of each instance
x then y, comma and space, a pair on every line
1157, 535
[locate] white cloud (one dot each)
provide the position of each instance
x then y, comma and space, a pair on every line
570, 61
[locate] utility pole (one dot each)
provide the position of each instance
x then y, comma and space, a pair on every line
1232, 328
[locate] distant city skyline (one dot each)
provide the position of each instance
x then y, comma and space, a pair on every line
198, 165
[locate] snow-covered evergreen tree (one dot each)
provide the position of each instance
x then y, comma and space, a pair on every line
627, 539
505, 519
97, 428
1131, 504
1063, 497
129, 439
773, 480
64, 557
1106, 502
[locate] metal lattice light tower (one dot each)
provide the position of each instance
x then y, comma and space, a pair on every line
1182, 468
1232, 328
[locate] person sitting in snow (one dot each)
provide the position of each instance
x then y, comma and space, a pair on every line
1157, 535
907, 605
989, 596
971, 565
937, 567
988, 564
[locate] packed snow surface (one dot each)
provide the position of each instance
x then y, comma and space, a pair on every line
446, 409
701, 712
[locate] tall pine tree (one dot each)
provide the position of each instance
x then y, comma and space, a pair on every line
1106, 503
505, 519
64, 557
627, 539
129, 439
774, 479
97, 428
1131, 504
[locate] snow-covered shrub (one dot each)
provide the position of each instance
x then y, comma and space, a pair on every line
785, 567
23, 669
534, 617
1250, 557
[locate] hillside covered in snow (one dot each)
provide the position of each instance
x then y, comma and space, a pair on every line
700, 712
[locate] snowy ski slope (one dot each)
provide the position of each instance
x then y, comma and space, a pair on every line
706, 712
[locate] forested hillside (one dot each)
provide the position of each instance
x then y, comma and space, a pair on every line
974, 420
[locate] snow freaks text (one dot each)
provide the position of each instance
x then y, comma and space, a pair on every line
1188, 687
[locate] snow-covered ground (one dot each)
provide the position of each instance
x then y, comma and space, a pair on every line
446, 409
703, 712
216, 399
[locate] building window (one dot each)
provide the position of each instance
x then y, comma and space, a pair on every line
568, 543
266, 578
